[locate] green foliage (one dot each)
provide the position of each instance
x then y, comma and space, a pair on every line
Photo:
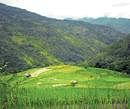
115, 57
61, 76
29, 40
52, 87
41, 97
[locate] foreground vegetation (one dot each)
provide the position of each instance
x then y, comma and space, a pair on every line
39, 97
51, 87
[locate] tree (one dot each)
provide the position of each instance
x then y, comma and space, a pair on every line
3, 67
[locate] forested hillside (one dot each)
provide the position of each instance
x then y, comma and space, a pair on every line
28, 40
115, 57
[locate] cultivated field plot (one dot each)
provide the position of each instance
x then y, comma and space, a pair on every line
53, 87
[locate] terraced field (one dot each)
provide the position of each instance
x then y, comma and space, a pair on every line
53, 86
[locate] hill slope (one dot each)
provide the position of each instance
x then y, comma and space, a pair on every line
120, 24
28, 40
116, 57
61, 76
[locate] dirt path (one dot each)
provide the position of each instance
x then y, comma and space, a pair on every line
38, 72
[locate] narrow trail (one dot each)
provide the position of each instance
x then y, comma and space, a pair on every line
38, 72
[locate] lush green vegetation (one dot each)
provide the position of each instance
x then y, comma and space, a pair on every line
28, 40
116, 57
40, 97
52, 86
58, 76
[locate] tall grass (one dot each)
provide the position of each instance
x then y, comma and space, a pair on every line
73, 97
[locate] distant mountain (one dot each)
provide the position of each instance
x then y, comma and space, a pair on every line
116, 57
29, 40
120, 24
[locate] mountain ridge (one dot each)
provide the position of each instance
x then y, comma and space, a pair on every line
120, 24
30, 40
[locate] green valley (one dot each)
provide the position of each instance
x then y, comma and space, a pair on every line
48, 63
27, 38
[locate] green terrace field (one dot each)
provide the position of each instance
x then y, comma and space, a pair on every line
54, 86
61, 76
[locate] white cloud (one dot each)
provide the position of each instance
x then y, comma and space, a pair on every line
74, 8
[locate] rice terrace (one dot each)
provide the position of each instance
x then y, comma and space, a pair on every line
52, 88
64, 54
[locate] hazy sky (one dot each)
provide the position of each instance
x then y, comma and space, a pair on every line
74, 8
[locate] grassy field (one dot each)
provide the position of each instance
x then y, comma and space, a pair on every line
52, 86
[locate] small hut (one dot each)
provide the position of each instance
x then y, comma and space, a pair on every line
27, 75
73, 82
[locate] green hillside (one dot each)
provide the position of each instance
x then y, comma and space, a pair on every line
116, 57
47, 63
55, 88
28, 40
120, 24
62, 75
